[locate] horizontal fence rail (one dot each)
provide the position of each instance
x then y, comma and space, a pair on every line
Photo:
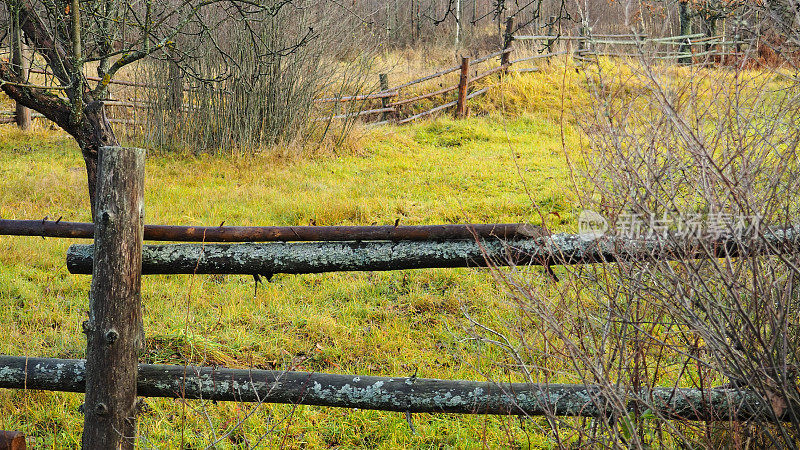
490, 56
352, 98
356, 114
402, 394
425, 96
82, 230
614, 38
441, 107
427, 77
319, 257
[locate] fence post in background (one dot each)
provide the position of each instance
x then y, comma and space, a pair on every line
114, 328
175, 94
508, 39
582, 44
22, 114
551, 25
384, 86
463, 82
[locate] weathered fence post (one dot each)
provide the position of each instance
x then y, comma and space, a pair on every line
551, 24
12, 440
175, 95
114, 328
384, 85
22, 114
508, 39
463, 84
582, 42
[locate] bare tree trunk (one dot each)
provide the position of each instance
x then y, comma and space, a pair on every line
685, 48
95, 132
458, 23
507, 40
83, 117
175, 86
23, 114
711, 30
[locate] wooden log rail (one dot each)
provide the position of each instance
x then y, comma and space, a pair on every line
353, 98
485, 74
356, 114
451, 88
441, 107
491, 55
428, 77
319, 257
425, 96
605, 36
449, 70
83, 230
11, 116
401, 394
538, 56
385, 93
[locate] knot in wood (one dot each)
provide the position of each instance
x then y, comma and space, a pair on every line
111, 336
101, 409
107, 217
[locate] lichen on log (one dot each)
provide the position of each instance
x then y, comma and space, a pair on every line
402, 394
318, 257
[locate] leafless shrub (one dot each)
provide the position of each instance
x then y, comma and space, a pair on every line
690, 157
254, 85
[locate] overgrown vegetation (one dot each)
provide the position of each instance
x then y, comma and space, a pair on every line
620, 139
682, 158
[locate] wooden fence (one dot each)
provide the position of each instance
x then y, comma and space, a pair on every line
389, 105
112, 378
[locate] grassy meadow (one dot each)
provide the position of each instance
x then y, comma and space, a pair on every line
515, 160
493, 167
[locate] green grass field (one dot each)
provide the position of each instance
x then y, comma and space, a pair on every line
513, 161
491, 168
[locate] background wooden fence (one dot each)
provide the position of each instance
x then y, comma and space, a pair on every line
389, 105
